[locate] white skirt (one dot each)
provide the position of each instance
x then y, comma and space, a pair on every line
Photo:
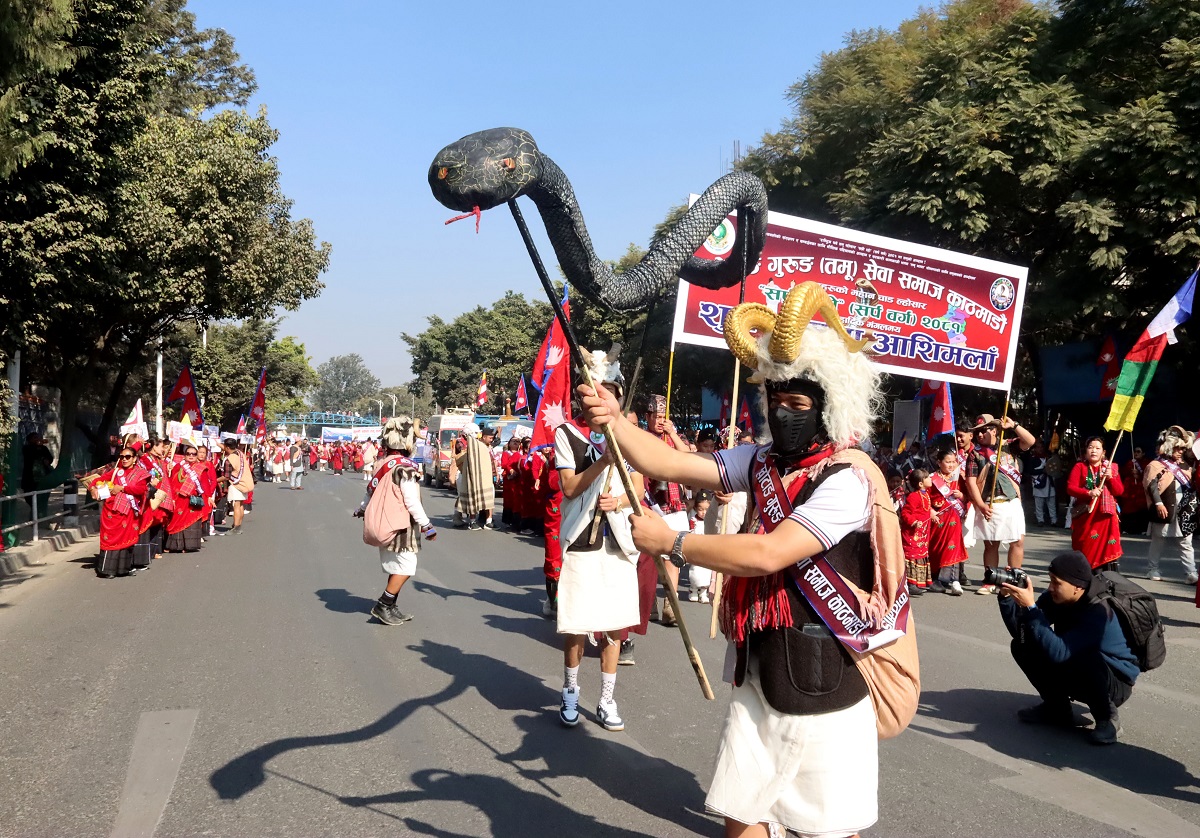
597, 591
815, 775
1007, 524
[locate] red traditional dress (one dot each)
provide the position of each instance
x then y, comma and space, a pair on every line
185, 528
1096, 534
512, 489
946, 543
336, 459
120, 517
552, 565
915, 526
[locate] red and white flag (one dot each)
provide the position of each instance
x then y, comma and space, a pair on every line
481, 392
941, 412
554, 406
258, 408
241, 428
745, 422
185, 390
522, 402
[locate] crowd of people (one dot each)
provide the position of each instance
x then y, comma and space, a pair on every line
163, 497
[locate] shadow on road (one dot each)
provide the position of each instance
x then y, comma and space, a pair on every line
344, 602
652, 785
1126, 765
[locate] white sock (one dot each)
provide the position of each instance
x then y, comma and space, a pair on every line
608, 684
570, 677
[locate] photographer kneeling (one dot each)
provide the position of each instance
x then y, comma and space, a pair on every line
1070, 646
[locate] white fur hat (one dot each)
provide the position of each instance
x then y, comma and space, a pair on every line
605, 367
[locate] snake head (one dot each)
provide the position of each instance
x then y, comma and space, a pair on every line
485, 169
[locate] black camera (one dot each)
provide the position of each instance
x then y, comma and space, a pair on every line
1006, 576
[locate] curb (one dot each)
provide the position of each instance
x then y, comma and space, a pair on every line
14, 560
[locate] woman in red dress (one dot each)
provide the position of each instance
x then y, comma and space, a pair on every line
336, 458
512, 489
186, 527
947, 553
122, 489
1096, 534
552, 565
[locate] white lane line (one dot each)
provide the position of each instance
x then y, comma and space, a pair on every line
1067, 788
1177, 696
158, 747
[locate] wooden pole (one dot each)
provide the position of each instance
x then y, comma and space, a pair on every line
1104, 477
999, 448
626, 481
670, 376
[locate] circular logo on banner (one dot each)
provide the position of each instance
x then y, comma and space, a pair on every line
1003, 294
720, 241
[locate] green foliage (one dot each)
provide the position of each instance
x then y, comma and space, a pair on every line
343, 383
1064, 137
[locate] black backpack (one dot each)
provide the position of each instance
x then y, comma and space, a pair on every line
1137, 612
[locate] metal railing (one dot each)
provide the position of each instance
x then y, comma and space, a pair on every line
44, 506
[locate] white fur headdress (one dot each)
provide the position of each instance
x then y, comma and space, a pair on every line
785, 349
605, 367
1172, 438
399, 434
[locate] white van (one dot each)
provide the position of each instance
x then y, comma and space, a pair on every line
441, 431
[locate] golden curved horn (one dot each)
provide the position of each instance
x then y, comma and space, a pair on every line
738, 324
802, 302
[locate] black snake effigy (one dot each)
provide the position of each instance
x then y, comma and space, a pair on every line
489, 168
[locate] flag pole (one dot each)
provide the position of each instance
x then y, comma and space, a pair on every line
610, 437
1104, 477
999, 448
670, 376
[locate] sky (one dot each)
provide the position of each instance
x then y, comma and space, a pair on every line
639, 103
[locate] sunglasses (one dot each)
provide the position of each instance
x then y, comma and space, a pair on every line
192, 454
125, 457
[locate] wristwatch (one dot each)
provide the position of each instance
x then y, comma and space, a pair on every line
676, 554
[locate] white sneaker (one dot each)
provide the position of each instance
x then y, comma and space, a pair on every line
549, 609
955, 589
1153, 576
704, 597
607, 715
568, 710
986, 590
694, 596
1192, 578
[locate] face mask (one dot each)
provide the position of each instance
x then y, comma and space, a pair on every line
793, 431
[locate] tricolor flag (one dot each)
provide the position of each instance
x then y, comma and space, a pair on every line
185, 389
481, 392
1142, 360
1112, 368
522, 402
941, 413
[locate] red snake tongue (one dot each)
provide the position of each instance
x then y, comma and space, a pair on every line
474, 211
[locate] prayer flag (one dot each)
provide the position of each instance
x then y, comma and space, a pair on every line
1112, 368
1142, 360
522, 402
481, 392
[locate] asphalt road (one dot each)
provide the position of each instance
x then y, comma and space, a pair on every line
244, 690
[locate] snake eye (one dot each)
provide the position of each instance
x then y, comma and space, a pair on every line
442, 172
509, 164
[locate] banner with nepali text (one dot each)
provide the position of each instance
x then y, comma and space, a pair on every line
937, 313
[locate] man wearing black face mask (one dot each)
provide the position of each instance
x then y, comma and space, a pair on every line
815, 585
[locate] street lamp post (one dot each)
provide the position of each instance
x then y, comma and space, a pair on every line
380, 403
393, 398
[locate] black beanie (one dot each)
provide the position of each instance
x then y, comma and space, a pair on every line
1072, 568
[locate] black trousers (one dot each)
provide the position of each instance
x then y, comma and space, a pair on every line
1083, 678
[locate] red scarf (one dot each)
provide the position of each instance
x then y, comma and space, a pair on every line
755, 603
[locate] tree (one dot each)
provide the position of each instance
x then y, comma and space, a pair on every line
1062, 137
344, 381
139, 217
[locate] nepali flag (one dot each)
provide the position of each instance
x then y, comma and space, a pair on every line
1142, 360
553, 349
481, 392
941, 414
522, 402
554, 405
745, 422
185, 390
1112, 368
258, 407
241, 428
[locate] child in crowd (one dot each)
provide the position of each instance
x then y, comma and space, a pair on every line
699, 578
916, 522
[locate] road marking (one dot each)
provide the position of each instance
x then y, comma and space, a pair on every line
1067, 788
158, 747
1177, 696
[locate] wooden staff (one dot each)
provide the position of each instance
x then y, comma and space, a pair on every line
730, 441
1104, 477
627, 481
999, 447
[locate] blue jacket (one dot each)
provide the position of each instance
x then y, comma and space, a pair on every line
1063, 631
